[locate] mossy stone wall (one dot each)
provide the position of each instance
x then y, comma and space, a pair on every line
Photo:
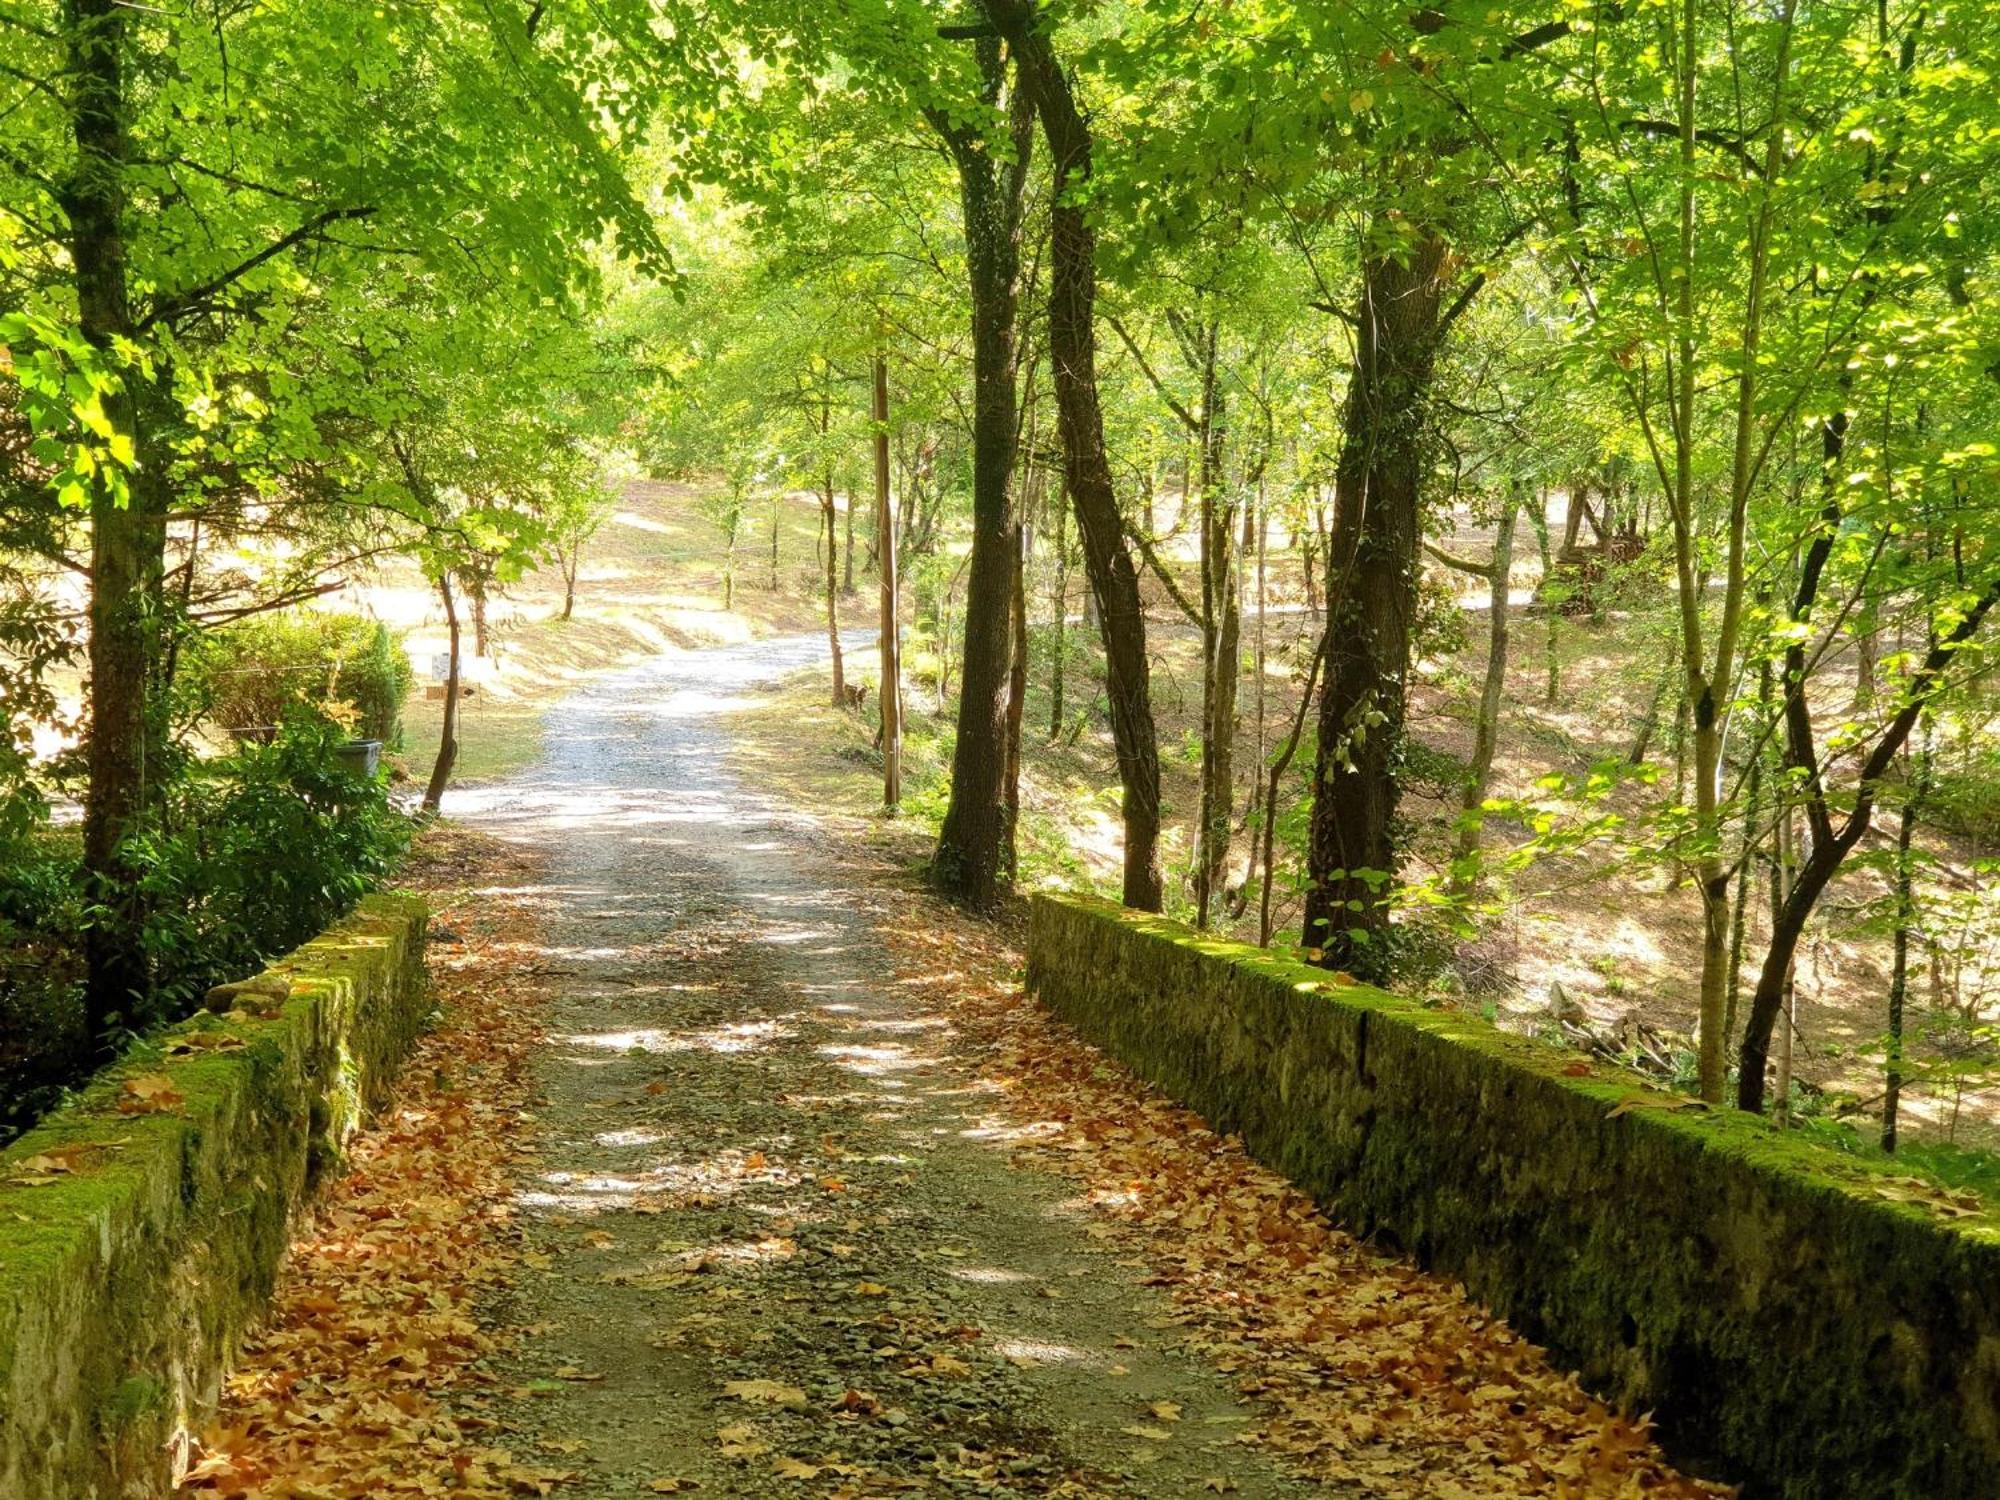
1791, 1321
127, 1281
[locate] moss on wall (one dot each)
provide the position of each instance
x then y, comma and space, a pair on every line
127, 1281
1790, 1326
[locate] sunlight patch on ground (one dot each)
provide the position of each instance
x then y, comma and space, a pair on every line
1041, 1353
987, 1274
741, 1037
629, 1138
874, 1059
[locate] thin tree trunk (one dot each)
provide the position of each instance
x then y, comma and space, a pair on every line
1213, 520
1486, 732
1786, 836
1273, 778
833, 590
1114, 581
1259, 537
1059, 657
890, 693
1906, 915
447, 752
1739, 921
572, 558
1017, 705
847, 563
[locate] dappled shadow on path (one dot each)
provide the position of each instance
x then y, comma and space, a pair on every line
772, 1222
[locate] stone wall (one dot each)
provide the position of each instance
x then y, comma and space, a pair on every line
1802, 1322
142, 1225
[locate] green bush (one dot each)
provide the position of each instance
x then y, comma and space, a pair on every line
248, 856
42, 1038
258, 851
249, 677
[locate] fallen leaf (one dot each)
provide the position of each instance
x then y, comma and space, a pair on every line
766, 1393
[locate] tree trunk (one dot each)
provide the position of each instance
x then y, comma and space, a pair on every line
1906, 915
1221, 634
1017, 706
833, 590
889, 694
1371, 605
572, 558
847, 564
128, 532
475, 585
1058, 656
1114, 581
1492, 692
968, 864
447, 752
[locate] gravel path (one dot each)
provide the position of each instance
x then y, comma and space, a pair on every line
777, 1248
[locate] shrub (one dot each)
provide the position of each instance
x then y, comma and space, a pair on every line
42, 1039
258, 851
349, 671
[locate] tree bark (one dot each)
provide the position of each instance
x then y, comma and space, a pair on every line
1017, 707
572, 559
827, 508
1114, 581
128, 531
1492, 692
1906, 916
1371, 606
447, 752
969, 864
890, 692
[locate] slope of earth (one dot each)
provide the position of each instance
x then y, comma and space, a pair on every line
807, 1200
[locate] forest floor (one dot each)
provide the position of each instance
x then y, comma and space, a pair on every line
1596, 935
739, 1166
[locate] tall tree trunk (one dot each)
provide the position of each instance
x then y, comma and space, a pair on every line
128, 531
890, 694
832, 589
1114, 581
1058, 656
1257, 534
969, 863
847, 564
1739, 920
1017, 707
1906, 916
447, 751
1492, 692
1219, 656
572, 558
1371, 605
1273, 779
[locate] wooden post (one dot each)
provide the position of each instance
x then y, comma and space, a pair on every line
891, 691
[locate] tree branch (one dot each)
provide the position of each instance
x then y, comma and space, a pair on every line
1187, 417
174, 306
